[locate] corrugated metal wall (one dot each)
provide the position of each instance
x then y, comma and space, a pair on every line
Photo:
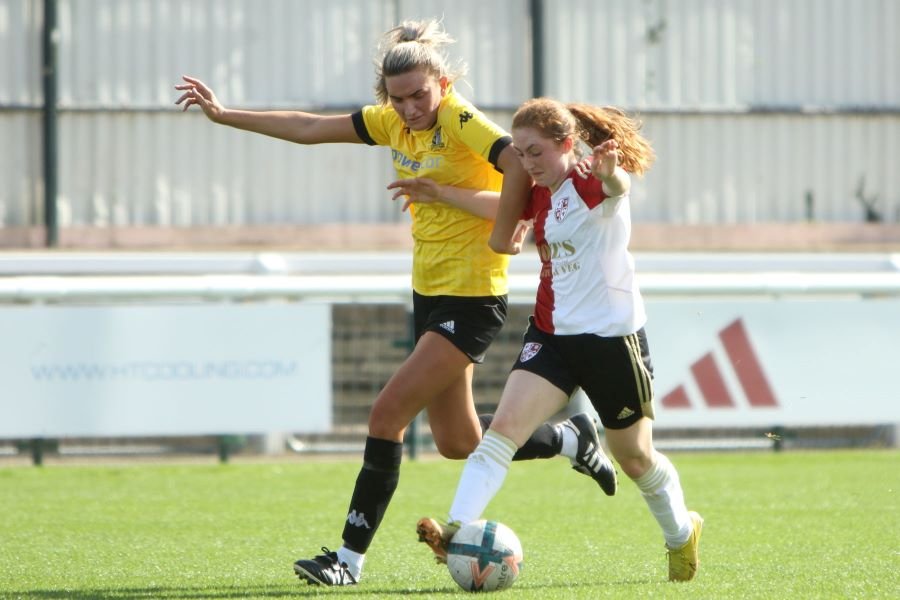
722, 168
20, 151
712, 169
703, 73
21, 200
726, 54
128, 53
308, 53
207, 175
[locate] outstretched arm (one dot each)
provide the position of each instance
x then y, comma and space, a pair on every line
506, 238
293, 126
422, 190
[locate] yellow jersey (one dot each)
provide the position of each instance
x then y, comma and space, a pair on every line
450, 253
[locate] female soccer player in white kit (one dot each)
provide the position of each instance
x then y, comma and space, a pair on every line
587, 329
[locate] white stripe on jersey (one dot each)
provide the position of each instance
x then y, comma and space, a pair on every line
587, 274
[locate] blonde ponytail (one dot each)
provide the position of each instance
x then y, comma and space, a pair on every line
414, 45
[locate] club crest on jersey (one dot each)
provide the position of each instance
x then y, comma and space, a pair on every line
437, 140
529, 351
562, 207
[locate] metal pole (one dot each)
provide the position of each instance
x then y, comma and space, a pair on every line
49, 40
413, 435
37, 452
224, 447
537, 47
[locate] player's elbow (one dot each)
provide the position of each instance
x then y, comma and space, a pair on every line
499, 246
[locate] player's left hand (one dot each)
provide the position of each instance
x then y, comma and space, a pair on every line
604, 159
583, 167
518, 238
417, 189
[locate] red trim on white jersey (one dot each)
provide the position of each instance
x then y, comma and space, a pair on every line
587, 280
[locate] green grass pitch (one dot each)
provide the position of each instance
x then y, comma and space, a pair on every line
785, 525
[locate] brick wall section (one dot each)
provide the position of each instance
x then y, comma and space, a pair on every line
771, 237
370, 341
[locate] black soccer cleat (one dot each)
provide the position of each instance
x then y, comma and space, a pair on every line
324, 569
590, 459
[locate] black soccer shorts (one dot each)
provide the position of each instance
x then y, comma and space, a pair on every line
470, 323
614, 372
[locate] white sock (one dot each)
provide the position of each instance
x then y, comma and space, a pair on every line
662, 491
482, 476
569, 441
354, 561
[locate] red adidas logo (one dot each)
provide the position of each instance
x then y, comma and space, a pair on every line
712, 384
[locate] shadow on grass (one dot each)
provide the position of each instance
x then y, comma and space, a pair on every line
286, 591
183, 593
157, 593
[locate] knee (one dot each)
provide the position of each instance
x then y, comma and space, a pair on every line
383, 425
456, 453
635, 465
455, 449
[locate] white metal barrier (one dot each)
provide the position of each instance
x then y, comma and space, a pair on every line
78, 277
91, 342
233, 263
381, 288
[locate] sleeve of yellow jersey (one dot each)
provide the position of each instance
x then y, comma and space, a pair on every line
373, 123
469, 125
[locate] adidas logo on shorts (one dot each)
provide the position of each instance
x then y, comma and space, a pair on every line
449, 326
625, 413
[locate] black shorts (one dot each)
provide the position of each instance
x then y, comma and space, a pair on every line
614, 372
470, 323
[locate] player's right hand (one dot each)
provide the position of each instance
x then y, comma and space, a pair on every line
197, 92
420, 190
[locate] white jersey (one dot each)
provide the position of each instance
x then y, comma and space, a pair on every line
587, 274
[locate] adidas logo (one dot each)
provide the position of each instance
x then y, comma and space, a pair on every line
624, 413
449, 326
591, 459
710, 380
358, 519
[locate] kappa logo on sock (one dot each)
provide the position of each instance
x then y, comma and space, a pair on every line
449, 326
529, 351
358, 519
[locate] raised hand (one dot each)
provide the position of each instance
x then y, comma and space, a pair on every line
583, 167
604, 160
198, 93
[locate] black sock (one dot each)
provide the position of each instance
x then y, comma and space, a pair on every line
375, 486
545, 442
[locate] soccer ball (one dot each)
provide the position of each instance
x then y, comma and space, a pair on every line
484, 556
